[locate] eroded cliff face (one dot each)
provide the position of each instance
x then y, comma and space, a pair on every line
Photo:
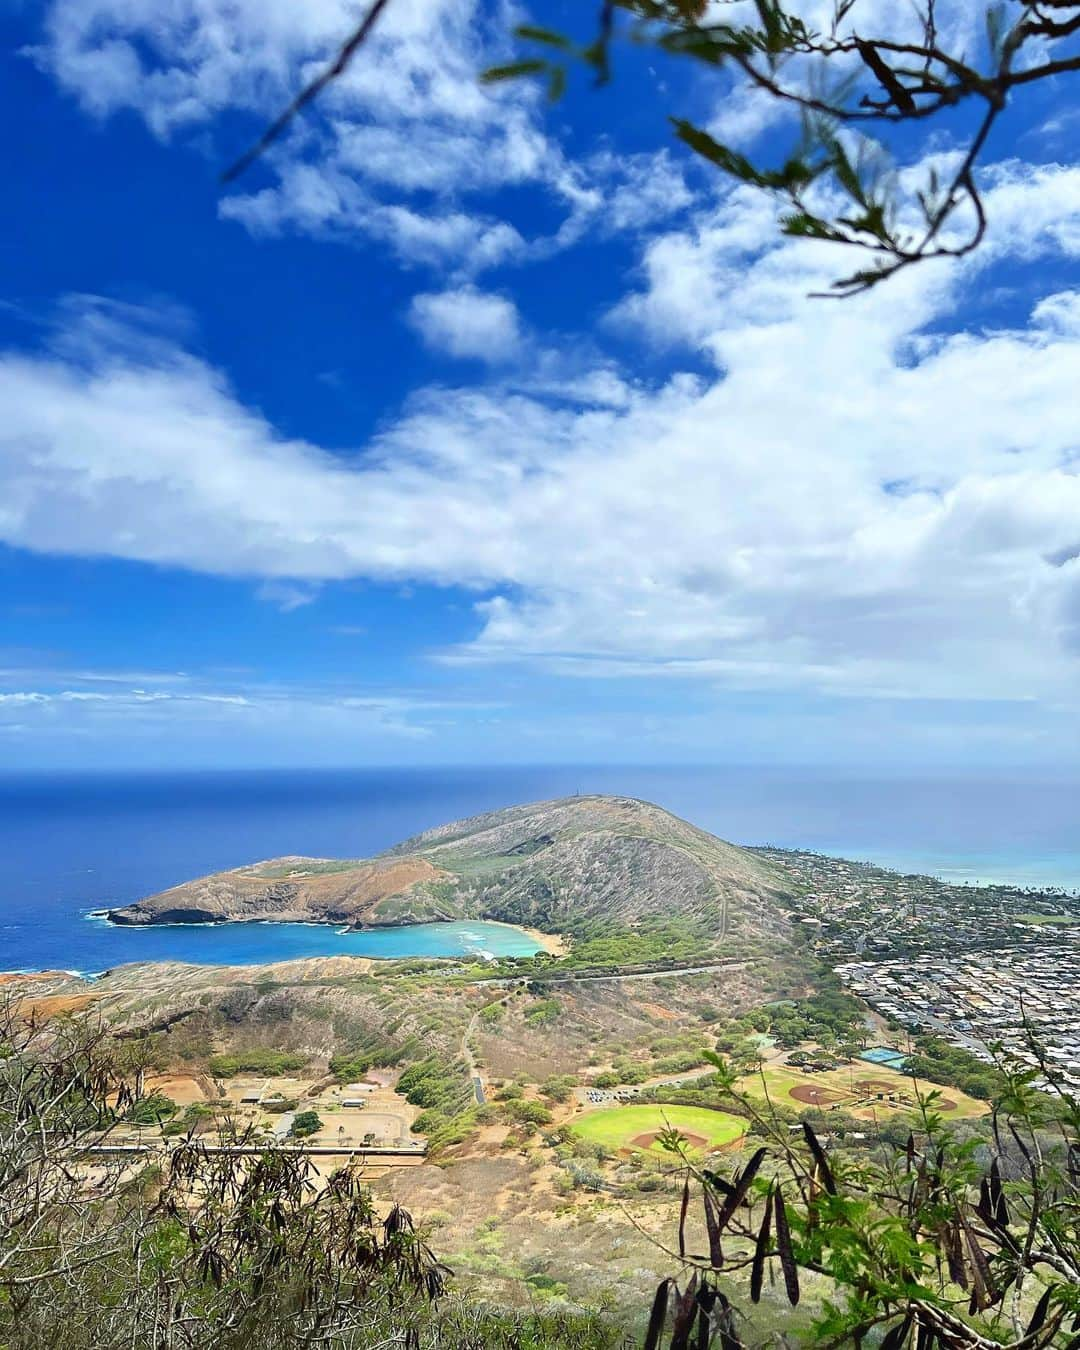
298, 890
545, 864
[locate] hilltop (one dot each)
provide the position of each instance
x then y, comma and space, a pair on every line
548, 864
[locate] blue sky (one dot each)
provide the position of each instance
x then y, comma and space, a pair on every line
465, 429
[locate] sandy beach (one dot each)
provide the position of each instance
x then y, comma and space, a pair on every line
553, 943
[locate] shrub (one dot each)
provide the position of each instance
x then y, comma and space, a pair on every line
152, 1109
277, 1106
558, 1087
268, 1062
194, 1115
528, 1113
305, 1123
543, 1012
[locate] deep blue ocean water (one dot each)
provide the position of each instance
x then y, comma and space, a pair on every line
72, 844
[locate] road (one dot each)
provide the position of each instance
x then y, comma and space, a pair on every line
611, 1094
565, 977
253, 1150
946, 1029
470, 1058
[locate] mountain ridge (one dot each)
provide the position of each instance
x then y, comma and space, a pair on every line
550, 865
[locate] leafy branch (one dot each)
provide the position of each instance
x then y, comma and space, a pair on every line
843, 84
927, 1249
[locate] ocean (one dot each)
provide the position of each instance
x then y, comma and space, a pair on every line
72, 844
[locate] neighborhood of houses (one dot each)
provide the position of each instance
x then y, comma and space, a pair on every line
854, 909
1024, 998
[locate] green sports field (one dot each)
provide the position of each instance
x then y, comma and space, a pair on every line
630, 1126
789, 1087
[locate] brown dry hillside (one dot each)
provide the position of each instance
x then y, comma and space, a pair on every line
551, 864
292, 890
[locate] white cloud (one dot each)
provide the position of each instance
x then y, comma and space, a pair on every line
286, 596
742, 112
848, 505
400, 149
392, 147
262, 716
1060, 312
468, 323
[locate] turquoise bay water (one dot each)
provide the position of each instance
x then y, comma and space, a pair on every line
101, 944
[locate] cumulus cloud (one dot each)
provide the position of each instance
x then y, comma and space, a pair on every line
468, 323
854, 502
1060, 312
394, 145
402, 149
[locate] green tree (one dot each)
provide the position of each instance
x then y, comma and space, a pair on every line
151, 1110
305, 1123
559, 1087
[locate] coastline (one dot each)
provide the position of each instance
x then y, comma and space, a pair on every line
177, 946
1036, 871
552, 943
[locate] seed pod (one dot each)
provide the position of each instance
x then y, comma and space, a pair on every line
740, 1188
818, 1153
712, 1227
783, 1246
657, 1316
761, 1248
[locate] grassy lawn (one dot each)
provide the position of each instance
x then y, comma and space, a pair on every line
780, 1080
618, 1126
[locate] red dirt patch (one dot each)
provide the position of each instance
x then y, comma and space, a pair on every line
58, 1003
182, 1088
647, 1140
810, 1095
32, 976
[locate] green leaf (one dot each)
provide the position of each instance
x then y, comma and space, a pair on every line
761, 1249
845, 172
724, 158
545, 35
556, 83
712, 45
494, 74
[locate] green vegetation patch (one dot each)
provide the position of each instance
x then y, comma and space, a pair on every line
314, 867
939, 1062
272, 1063
624, 1126
601, 943
305, 1123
